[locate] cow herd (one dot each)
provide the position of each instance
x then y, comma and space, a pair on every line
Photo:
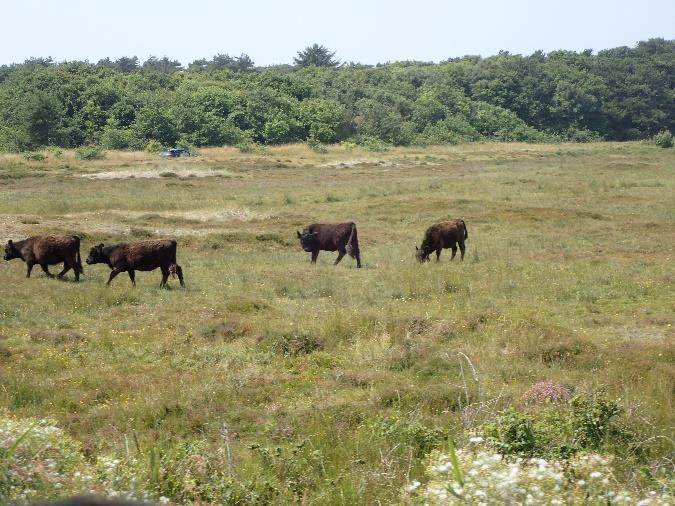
152, 254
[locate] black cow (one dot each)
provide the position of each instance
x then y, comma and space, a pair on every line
46, 250
340, 237
447, 234
138, 256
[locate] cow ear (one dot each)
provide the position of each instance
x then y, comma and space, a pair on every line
416, 248
100, 246
10, 242
299, 234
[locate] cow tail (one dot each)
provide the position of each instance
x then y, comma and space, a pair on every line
173, 266
466, 231
353, 242
78, 259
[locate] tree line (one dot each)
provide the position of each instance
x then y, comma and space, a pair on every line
616, 94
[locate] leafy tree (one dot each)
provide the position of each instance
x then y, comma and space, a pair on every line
39, 62
153, 122
164, 64
240, 63
616, 94
323, 119
243, 63
127, 64
316, 55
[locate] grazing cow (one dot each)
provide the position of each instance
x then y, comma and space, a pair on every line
46, 250
340, 237
138, 256
447, 234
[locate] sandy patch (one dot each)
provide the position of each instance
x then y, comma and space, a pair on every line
348, 164
164, 172
119, 222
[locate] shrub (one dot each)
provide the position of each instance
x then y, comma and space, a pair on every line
34, 157
116, 138
247, 146
412, 433
581, 424
55, 152
512, 433
663, 139
316, 146
582, 135
190, 148
89, 153
372, 143
153, 146
294, 345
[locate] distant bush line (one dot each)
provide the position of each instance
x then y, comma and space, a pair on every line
617, 94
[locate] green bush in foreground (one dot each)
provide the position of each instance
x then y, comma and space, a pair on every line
34, 157
89, 153
663, 139
560, 431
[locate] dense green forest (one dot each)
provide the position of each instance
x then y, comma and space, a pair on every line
616, 94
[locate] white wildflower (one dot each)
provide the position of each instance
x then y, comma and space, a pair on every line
414, 485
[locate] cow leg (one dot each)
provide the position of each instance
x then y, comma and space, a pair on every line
438, 255
341, 254
132, 276
179, 273
29, 267
46, 269
66, 268
165, 276
357, 255
315, 254
454, 251
462, 249
113, 273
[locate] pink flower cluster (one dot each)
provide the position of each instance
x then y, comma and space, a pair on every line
546, 391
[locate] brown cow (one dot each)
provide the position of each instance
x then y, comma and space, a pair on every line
340, 237
138, 256
447, 234
46, 250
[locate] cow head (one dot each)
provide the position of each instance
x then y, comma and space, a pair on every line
308, 240
96, 255
421, 254
11, 251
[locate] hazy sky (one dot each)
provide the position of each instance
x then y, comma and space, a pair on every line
364, 31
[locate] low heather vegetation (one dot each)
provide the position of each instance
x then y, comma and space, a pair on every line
272, 381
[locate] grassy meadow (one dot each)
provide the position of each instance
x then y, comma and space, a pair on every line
268, 380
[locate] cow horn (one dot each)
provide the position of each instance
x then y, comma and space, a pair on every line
416, 248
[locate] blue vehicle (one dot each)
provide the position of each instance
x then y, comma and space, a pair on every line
174, 153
